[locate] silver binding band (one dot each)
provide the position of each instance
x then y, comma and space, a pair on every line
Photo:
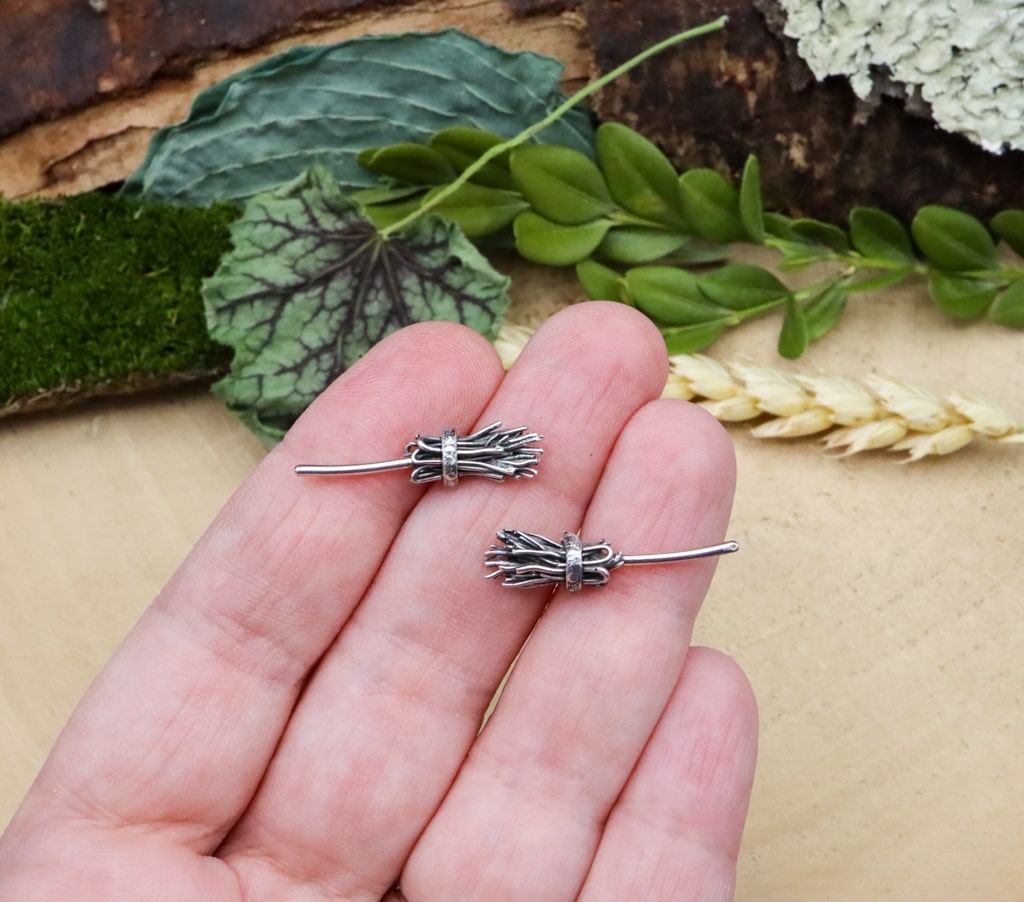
573, 562
450, 458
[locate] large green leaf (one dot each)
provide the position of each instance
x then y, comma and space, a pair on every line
312, 106
311, 285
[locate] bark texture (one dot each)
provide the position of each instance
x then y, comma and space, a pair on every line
61, 55
822, 150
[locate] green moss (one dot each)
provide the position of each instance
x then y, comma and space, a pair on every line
99, 292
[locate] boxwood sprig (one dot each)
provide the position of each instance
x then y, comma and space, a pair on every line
642, 233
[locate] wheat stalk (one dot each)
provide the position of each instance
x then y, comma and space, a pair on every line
851, 415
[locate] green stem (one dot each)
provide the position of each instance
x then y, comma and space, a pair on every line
551, 118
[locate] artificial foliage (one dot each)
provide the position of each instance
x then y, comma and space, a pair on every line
310, 286
358, 218
103, 294
322, 106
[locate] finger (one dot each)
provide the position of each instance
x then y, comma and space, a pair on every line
176, 732
674, 832
524, 817
388, 717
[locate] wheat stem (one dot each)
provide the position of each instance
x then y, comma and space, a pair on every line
850, 415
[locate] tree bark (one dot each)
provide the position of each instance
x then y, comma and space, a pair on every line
822, 150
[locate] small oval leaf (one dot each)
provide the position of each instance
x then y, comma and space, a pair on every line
639, 175
823, 312
553, 244
1008, 309
463, 145
799, 256
634, 244
778, 225
822, 233
740, 286
479, 210
690, 339
698, 253
600, 282
711, 205
793, 335
385, 215
561, 184
414, 164
960, 296
670, 296
878, 235
1009, 225
953, 240
882, 280
751, 204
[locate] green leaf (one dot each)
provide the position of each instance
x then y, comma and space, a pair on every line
600, 282
639, 175
1009, 225
795, 260
740, 286
1008, 309
953, 240
880, 236
882, 280
386, 194
636, 244
312, 106
415, 164
778, 225
822, 233
561, 184
793, 336
310, 286
479, 210
670, 296
385, 214
698, 253
711, 205
960, 296
542, 241
691, 339
463, 145
823, 312
751, 204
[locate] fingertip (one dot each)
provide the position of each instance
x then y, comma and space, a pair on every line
602, 331
672, 473
723, 687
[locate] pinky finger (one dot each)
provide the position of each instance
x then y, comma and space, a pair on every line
675, 830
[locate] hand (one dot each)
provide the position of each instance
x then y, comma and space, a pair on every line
296, 716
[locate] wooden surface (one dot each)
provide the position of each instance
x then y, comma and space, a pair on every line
875, 607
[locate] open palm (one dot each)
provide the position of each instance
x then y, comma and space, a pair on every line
297, 715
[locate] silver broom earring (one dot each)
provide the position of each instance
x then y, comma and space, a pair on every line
525, 560
491, 452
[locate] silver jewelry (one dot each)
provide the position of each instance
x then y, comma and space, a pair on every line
525, 560
492, 452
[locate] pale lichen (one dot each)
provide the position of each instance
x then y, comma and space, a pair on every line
964, 57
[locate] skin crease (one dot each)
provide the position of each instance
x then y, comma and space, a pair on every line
296, 716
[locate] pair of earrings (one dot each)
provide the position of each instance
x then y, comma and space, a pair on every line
524, 559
